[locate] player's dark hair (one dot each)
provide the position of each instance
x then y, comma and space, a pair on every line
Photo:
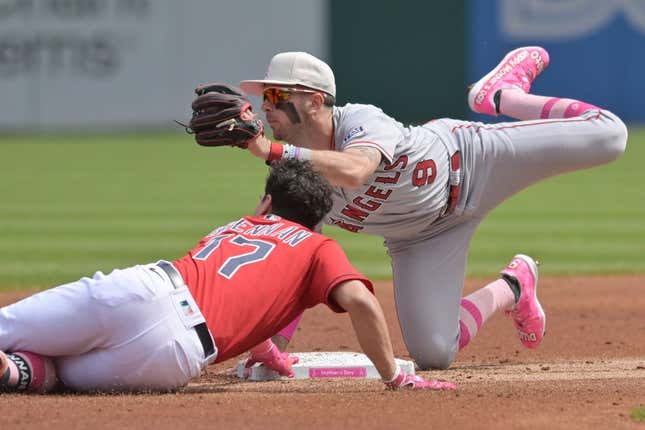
298, 192
328, 100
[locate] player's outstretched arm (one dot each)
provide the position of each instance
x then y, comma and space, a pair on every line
350, 168
372, 333
369, 324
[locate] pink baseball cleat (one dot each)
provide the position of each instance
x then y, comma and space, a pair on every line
527, 313
517, 70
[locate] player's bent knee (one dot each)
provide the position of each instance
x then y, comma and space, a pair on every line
438, 352
613, 140
619, 139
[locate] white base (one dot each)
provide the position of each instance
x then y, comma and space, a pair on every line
316, 365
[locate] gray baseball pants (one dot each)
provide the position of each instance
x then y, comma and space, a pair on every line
498, 161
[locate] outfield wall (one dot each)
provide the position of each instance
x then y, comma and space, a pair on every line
123, 64
597, 47
129, 63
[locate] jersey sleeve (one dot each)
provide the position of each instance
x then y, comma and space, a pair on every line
329, 269
367, 125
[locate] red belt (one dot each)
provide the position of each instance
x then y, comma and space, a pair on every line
455, 184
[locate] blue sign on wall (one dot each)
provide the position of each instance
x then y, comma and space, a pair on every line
597, 47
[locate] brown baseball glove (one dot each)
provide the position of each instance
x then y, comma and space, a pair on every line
222, 116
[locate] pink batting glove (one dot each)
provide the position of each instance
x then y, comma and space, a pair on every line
281, 362
413, 382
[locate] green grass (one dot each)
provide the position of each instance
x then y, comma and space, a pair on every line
591, 221
71, 205
70, 208
638, 414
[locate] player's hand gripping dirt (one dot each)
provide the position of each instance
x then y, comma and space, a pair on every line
222, 116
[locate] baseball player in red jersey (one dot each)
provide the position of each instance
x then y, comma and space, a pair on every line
425, 189
156, 326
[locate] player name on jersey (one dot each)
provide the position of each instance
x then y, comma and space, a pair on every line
378, 192
288, 233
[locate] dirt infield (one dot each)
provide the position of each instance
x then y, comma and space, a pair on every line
589, 372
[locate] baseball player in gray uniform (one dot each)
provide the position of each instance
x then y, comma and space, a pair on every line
426, 188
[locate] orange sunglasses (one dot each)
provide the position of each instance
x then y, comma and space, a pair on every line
281, 95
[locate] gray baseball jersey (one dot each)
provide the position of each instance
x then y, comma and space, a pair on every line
405, 197
409, 188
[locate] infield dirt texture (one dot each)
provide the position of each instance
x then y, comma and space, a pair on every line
589, 372
69, 208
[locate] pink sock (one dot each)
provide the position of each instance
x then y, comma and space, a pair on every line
517, 104
477, 307
30, 372
289, 330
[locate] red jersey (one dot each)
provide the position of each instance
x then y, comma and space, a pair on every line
253, 276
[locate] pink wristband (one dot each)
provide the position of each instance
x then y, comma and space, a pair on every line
290, 329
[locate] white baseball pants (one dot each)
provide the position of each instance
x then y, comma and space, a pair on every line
124, 331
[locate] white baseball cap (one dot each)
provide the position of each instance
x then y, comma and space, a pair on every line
294, 68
